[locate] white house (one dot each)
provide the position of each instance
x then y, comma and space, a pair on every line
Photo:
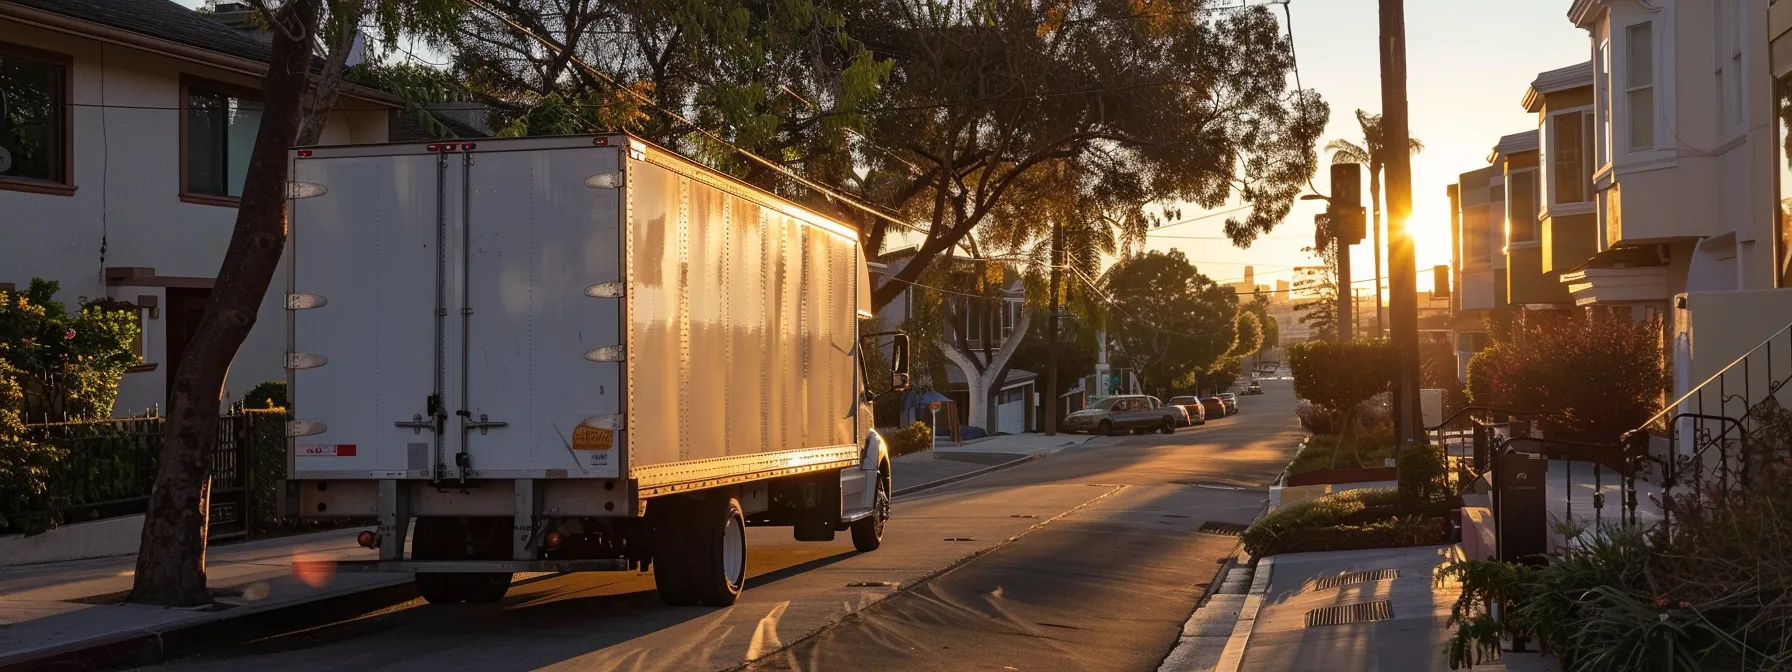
125, 127
1685, 150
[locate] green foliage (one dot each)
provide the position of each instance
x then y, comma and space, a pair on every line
1342, 375
268, 395
1543, 365
914, 438
1220, 375
26, 466
1333, 451
420, 87
66, 366
1349, 520
1424, 477
1170, 321
1250, 335
1271, 331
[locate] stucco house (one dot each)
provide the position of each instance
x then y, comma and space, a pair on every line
125, 127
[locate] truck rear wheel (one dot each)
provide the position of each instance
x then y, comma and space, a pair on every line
461, 539
699, 551
868, 532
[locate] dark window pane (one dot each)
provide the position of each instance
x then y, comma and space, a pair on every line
206, 123
31, 118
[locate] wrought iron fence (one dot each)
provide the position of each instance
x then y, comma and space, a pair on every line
109, 470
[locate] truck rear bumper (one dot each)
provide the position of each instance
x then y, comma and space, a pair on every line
327, 567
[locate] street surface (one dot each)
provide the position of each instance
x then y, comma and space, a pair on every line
1088, 559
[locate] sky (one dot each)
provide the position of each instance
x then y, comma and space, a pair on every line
1468, 64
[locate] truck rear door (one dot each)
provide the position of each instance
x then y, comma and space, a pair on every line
364, 260
540, 309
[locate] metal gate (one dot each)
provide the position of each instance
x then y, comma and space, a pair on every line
231, 479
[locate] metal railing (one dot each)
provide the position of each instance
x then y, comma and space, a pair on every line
1721, 435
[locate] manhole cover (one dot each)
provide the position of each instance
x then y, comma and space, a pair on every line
1361, 612
1222, 529
1325, 582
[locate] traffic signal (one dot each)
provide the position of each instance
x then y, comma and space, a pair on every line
1346, 207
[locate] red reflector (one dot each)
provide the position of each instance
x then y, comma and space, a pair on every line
601, 142
304, 153
365, 539
468, 147
553, 540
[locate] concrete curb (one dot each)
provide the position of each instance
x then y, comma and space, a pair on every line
154, 645
1233, 656
900, 492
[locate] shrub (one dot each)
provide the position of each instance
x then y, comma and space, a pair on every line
26, 467
1332, 451
1353, 519
1342, 376
66, 366
1424, 477
914, 438
1544, 366
268, 395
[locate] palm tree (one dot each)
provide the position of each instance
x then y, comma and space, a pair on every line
1372, 155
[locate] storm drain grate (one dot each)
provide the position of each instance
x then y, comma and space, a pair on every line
1325, 582
1222, 529
1361, 612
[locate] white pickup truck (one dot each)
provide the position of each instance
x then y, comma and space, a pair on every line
512, 350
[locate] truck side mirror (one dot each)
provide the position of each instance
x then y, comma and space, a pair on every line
899, 379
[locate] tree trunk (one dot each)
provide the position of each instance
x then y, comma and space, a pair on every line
981, 373
171, 556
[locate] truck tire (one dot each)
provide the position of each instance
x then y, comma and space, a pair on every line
670, 528
461, 539
719, 567
868, 532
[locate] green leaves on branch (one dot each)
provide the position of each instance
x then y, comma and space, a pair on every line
65, 366
1169, 321
1339, 376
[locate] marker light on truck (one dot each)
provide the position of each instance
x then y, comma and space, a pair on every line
296, 190
605, 290
305, 301
609, 180
367, 539
304, 360
610, 422
298, 428
553, 541
608, 353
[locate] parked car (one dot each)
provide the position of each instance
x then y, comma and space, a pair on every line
1231, 402
1254, 388
1197, 413
1214, 407
1136, 412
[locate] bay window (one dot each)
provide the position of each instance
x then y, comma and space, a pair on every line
1639, 85
1571, 156
1521, 206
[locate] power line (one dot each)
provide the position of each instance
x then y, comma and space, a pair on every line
1198, 218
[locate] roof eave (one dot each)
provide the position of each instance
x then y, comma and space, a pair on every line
1533, 100
69, 25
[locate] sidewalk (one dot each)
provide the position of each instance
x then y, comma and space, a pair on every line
59, 613
1412, 638
948, 461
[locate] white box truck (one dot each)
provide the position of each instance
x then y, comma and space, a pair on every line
574, 354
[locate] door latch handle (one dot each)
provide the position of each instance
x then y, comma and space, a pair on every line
417, 424
484, 424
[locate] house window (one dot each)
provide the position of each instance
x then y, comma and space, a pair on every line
1783, 157
1521, 206
1639, 85
1475, 237
1571, 151
219, 133
33, 116
1731, 101
1602, 106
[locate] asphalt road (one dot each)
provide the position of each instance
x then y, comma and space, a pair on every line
1089, 559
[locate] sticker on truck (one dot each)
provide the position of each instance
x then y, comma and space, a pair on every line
325, 450
596, 442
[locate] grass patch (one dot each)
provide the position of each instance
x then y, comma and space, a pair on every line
1326, 451
1353, 519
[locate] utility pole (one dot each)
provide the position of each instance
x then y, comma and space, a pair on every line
1051, 331
1402, 267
